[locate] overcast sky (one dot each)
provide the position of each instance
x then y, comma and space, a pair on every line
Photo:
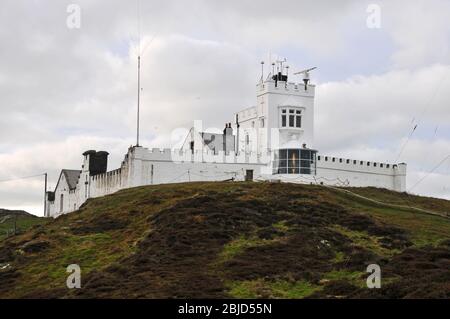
65, 90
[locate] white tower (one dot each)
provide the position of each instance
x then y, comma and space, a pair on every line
288, 108
282, 122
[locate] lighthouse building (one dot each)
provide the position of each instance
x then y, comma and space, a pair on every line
271, 141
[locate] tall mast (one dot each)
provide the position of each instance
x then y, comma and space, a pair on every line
139, 70
45, 195
138, 99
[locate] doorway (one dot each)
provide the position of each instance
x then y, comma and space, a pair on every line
249, 175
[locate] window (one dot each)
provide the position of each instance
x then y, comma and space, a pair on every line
387, 165
381, 165
262, 122
354, 162
61, 204
347, 161
298, 119
291, 118
247, 139
295, 161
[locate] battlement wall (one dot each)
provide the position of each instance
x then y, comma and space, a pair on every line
331, 162
283, 87
106, 183
349, 172
198, 156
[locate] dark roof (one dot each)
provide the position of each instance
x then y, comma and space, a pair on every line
51, 196
89, 152
72, 177
208, 138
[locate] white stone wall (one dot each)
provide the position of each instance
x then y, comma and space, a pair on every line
349, 172
262, 123
142, 166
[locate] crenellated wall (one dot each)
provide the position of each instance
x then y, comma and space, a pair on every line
350, 172
142, 166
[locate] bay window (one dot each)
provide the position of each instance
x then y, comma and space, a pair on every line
295, 161
291, 117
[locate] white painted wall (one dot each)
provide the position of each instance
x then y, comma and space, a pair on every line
142, 166
270, 100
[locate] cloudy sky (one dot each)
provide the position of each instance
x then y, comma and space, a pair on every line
64, 90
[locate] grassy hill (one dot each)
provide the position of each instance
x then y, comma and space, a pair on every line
22, 220
249, 240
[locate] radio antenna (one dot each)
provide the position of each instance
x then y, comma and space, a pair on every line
138, 71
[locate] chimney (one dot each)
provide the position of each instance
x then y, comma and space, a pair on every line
228, 130
96, 162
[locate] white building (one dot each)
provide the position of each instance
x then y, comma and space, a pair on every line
273, 140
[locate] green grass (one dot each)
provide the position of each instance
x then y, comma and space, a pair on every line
340, 257
242, 243
271, 289
424, 229
23, 224
97, 249
363, 239
354, 277
281, 226
239, 245
391, 197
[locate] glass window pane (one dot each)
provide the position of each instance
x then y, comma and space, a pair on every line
305, 154
294, 154
304, 170
294, 170
283, 154
291, 111
283, 120
291, 120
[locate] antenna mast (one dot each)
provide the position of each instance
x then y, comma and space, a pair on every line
138, 99
262, 71
139, 71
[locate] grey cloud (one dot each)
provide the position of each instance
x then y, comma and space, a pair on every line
63, 91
